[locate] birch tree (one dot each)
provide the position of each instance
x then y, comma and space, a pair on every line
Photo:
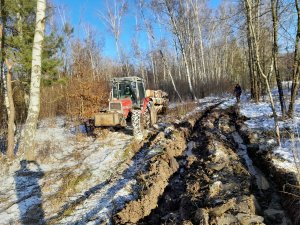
165, 63
112, 20
27, 142
10, 111
255, 50
274, 6
196, 9
6, 87
2, 56
296, 67
171, 13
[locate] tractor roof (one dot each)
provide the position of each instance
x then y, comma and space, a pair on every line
122, 79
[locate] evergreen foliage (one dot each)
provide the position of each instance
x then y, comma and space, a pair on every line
18, 41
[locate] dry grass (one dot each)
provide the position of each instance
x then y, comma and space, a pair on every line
68, 187
182, 110
45, 151
102, 133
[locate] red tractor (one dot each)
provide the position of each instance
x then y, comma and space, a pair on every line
130, 102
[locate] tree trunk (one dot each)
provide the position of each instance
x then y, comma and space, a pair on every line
274, 4
195, 7
258, 64
150, 34
182, 49
253, 69
27, 143
295, 84
11, 114
170, 75
2, 56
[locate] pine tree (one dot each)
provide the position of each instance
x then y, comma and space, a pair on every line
17, 35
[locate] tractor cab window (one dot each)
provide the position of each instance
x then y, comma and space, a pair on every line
141, 91
126, 90
115, 91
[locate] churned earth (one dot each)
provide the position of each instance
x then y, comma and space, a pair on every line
201, 164
215, 181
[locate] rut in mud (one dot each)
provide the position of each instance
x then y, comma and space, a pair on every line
213, 182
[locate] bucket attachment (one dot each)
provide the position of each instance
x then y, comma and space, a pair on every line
108, 119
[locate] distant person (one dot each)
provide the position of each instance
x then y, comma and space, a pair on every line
237, 91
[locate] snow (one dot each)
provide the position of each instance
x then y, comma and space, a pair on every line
64, 155
111, 174
190, 146
227, 103
256, 110
260, 118
288, 154
103, 159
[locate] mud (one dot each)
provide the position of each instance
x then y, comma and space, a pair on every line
203, 175
162, 165
284, 181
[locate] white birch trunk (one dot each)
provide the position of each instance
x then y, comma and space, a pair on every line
257, 62
10, 112
27, 142
182, 48
196, 9
6, 102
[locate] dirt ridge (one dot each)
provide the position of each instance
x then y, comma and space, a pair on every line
161, 167
285, 181
202, 174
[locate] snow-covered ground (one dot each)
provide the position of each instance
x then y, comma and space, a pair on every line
82, 180
70, 169
76, 179
287, 155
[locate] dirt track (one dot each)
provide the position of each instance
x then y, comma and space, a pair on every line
203, 175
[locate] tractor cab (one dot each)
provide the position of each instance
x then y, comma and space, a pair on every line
128, 102
128, 88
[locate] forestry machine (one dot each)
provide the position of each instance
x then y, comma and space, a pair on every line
129, 101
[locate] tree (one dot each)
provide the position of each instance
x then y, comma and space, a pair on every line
296, 67
2, 78
196, 9
255, 50
253, 70
6, 86
274, 6
27, 142
19, 30
113, 21
10, 111
171, 7
165, 63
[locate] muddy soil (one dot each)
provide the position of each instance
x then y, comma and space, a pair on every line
285, 181
203, 175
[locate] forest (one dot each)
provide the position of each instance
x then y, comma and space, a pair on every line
57, 74
202, 51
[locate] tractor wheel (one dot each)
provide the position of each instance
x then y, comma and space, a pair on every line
137, 124
164, 110
147, 117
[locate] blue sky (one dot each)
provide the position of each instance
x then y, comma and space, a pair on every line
85, 12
